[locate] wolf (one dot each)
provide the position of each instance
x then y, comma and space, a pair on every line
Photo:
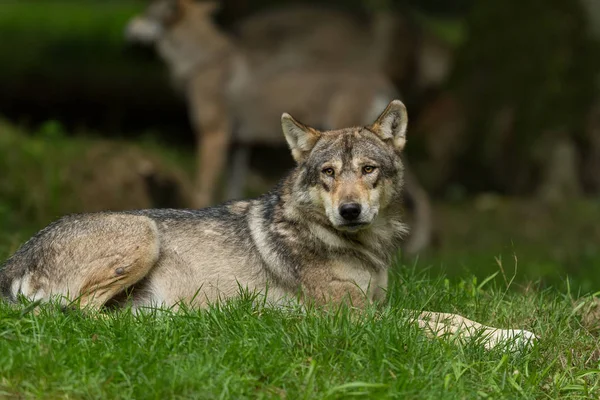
236, 88
325, 235
231, 85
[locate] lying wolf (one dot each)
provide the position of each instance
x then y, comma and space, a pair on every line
236, 93
326, 234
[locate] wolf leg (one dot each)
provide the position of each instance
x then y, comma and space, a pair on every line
239, 169
212, 157
348, 292
452, 325
422, 214
128, 258
89, 258
325, 288
210, 119
120, 273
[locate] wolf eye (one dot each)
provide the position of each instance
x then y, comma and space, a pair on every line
328, 171
368, 169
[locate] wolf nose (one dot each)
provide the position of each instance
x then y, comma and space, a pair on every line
350, 211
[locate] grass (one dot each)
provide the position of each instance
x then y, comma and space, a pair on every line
545, 243
241, 350
46, 174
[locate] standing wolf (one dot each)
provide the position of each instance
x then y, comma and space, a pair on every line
327, 234
235, 92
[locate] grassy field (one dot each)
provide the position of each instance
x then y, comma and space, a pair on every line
241, 350
541, 277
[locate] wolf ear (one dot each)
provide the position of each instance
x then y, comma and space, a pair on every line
392, 123
207, 7
299, 137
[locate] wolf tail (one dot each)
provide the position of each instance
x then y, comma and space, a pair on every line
5, 283
12, 270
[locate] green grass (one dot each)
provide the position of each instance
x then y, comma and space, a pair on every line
541, 242
241, 350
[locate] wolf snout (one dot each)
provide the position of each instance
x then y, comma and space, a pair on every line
350, 211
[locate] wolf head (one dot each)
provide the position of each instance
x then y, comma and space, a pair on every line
162, 16
350, 175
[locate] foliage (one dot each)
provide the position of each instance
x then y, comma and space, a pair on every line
537, 242
534, 60
69, 60
66, 32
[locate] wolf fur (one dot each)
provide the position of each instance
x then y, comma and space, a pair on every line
236, 89
326, 234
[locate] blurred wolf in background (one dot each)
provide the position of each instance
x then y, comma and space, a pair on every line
310, 62
326, 235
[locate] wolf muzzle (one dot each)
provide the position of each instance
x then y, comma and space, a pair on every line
350, 211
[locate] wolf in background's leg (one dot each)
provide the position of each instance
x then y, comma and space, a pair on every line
210, 119
240, 164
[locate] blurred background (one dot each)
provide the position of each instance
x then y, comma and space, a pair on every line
503, 99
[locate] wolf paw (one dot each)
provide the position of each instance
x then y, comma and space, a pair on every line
513, 339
